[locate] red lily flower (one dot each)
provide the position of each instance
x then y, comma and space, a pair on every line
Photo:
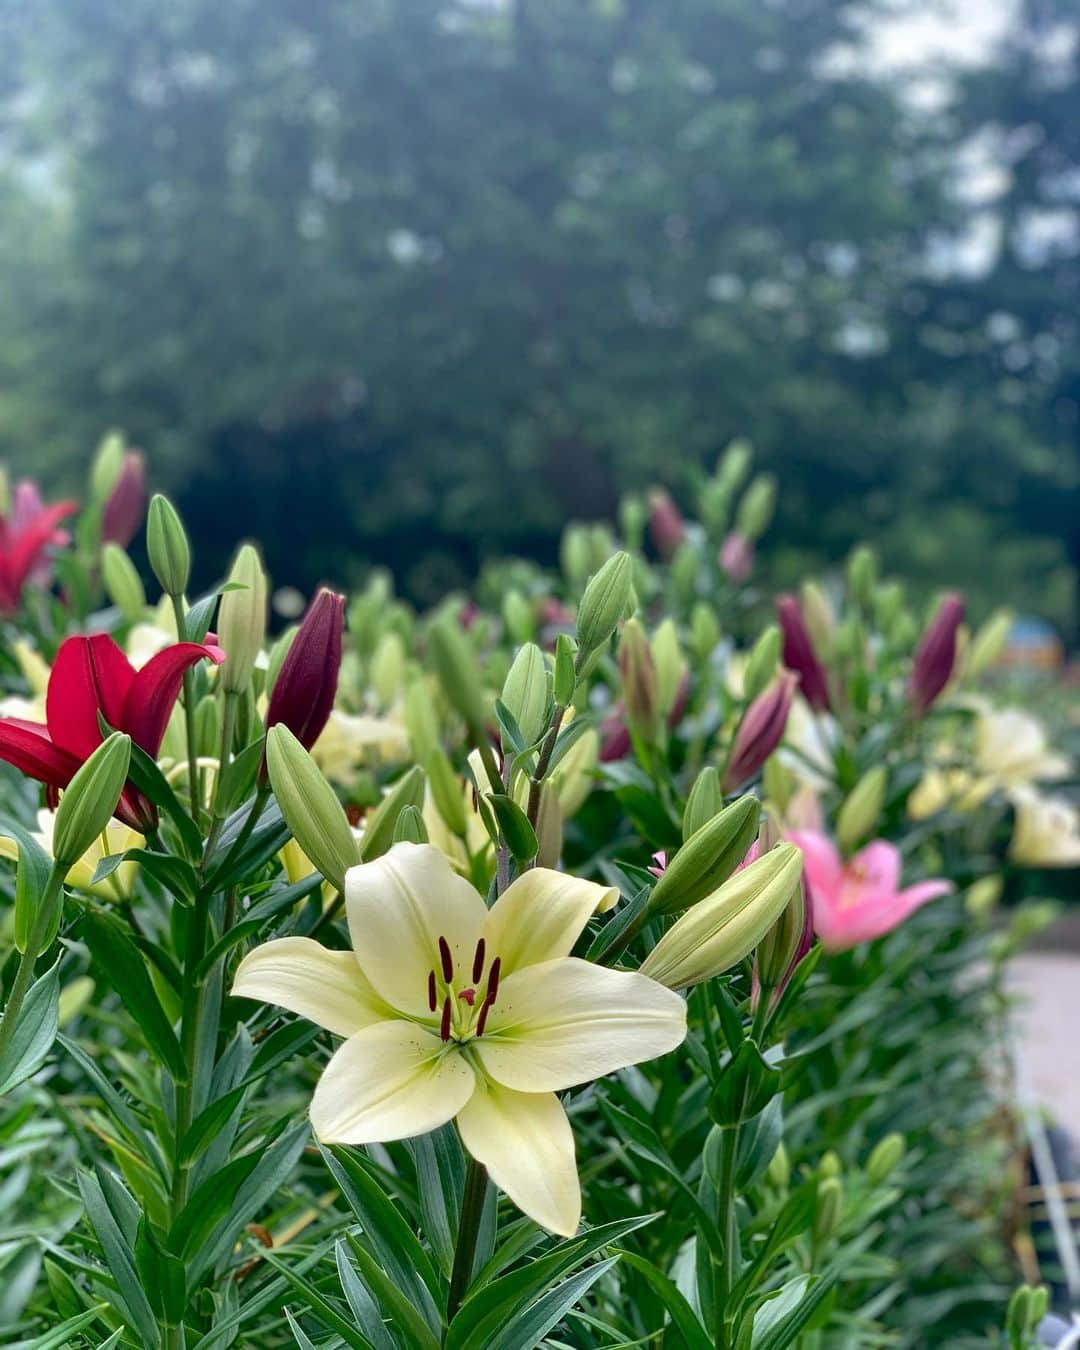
25, 535
92, 675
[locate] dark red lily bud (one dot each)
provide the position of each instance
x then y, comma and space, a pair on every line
126, 503
799, 655
614, 736
935, 655
760, 730
304, 690
665, 523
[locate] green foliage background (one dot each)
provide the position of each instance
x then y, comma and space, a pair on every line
413, 283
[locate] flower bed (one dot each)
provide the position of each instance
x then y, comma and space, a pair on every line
553, 968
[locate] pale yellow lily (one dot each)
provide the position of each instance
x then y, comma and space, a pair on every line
349, 740
118, 838
456, 1012
1047, 829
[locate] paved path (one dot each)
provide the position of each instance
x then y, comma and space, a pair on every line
1048, 1028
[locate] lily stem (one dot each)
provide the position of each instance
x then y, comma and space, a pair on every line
28, 960
191, 1019
228, 728
472, 1211
729, 1233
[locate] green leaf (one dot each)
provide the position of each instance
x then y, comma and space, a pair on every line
440, 1175
529, 1327
514, 827
61, 1337
392, 1240
175, 874
746, 1086
125, 970
119, 1257
486, 1311
691, 1334
779, 1333
31, 878
361, 1302
318, 1305
35, 1031
239, 777
150, 781
402, 1316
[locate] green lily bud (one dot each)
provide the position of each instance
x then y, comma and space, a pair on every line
704, 630
549, 827
1040, 1303
1018, 1318
734, 464
707, 858
830, 1164
410, 828
719, 931
367, 612
607, 601
310, 806
421, 720
380, 825
981, 898
633, 516
208, 726
90, 799
565, 672
785, 944
167, 546
757, 506
527, 692
714, 505
123, 585
827, 1209
575, 554
705, 800
762, 662
106, 466
640, 685
884, 1158
888, 602
518, 617
670, 665
458, 674
988, 643
862, 576
74, 997
778, 1172
861, 811
388, 668
242, 620
818, 617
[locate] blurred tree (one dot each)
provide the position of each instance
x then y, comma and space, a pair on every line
415, 282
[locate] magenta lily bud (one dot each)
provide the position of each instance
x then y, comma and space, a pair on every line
304, 690
737, 557
666, 526
799, 655
125, 506
935, 655
614, 736
760, 730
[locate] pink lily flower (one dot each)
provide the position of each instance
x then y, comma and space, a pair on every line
858, 900
26, 537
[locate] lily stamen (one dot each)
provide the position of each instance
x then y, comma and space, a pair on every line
478, 961
447, 960
432, 992
493, 980
444, 1025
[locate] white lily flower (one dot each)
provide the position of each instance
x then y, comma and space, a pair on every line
1047, 829
456, 1012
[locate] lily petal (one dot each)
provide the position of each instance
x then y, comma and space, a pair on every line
525, 1142
540, 916
879, 863
568, 1021
398, 907
326, 987
390, 1081
28, 746
155, 689
90, 674
821, 862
